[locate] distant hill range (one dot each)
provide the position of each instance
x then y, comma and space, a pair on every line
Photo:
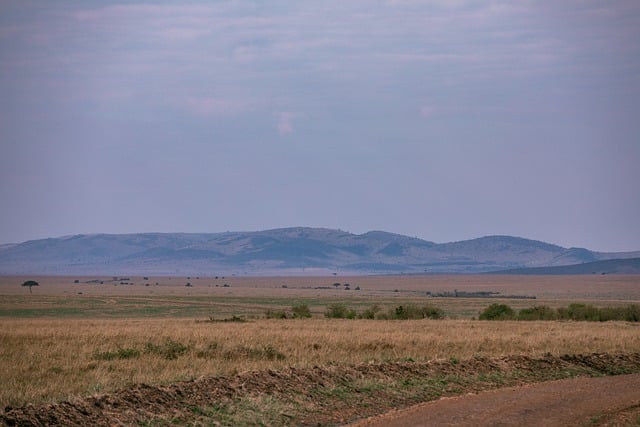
611, 266
287, 251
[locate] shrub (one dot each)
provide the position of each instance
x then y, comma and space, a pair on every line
275, 314
301, 311
432, 312
403, 312
497, 312
370, 313
538, 312
579, 312
582, 312
411, 311
339, 311
632, 313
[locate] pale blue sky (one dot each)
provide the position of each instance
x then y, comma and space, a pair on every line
444, 120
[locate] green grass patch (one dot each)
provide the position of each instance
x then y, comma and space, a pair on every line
168, 349
121, 353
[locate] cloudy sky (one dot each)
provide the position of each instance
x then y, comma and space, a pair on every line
440, 119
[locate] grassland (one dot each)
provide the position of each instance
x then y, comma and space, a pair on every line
71, 339
168, 297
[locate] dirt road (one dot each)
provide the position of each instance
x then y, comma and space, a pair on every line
573, 402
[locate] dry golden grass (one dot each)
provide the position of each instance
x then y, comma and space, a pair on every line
46, 360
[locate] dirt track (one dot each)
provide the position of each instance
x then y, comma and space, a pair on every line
580, 401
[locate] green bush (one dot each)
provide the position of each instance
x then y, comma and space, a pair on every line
411, 311
538, 312
582, 312
431, 312
632, 313
404, 312
275, 314
370, 313
610, 313
497, 312
339, 311
579, 312
301, 311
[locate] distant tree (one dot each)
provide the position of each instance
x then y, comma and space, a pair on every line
30, 284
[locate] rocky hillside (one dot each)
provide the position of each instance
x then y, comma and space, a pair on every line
305, 251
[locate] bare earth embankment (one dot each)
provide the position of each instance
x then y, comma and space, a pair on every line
334, 395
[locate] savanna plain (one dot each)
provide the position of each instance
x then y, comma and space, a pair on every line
294, 350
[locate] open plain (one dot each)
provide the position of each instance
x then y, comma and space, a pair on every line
75, 338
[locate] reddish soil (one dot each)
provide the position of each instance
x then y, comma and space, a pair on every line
334, 395
578, 401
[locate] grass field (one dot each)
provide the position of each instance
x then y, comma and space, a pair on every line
72, 339
168, 297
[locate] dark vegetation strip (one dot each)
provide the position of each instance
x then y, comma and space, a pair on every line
328, 395
578, 312
241, 309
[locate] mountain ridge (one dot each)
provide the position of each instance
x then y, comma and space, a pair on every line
283, 251
609, 266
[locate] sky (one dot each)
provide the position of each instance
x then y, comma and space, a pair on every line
440, 119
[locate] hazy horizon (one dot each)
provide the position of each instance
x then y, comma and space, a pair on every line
434, 119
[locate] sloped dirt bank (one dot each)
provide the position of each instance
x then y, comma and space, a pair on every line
327, 395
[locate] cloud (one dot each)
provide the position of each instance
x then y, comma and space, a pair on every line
426, 111
285, 122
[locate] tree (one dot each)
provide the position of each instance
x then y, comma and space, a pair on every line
30, 284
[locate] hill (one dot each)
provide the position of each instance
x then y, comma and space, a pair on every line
286, 251
611, 266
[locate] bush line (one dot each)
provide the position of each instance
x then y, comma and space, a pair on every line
578, 312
